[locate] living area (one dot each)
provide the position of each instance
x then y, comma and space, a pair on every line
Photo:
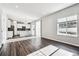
39, 29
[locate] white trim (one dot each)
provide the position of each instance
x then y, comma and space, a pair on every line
54, 39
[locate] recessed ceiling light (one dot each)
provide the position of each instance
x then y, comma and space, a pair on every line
24, 17
17, 6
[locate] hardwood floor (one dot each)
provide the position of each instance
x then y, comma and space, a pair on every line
25, 47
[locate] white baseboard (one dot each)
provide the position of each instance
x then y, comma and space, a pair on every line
62, 41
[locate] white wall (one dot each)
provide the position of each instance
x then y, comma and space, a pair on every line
49, 25
4, 26
0, 27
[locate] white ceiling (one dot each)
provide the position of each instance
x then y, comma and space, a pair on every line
32, 11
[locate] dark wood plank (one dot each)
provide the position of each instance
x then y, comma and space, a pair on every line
23, 48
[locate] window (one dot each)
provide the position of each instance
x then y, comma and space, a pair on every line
67, 26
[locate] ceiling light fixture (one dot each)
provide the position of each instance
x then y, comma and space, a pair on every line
17, 6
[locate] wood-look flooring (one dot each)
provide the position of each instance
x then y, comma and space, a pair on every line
25, 47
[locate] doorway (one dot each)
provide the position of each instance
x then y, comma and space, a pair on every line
38, 28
